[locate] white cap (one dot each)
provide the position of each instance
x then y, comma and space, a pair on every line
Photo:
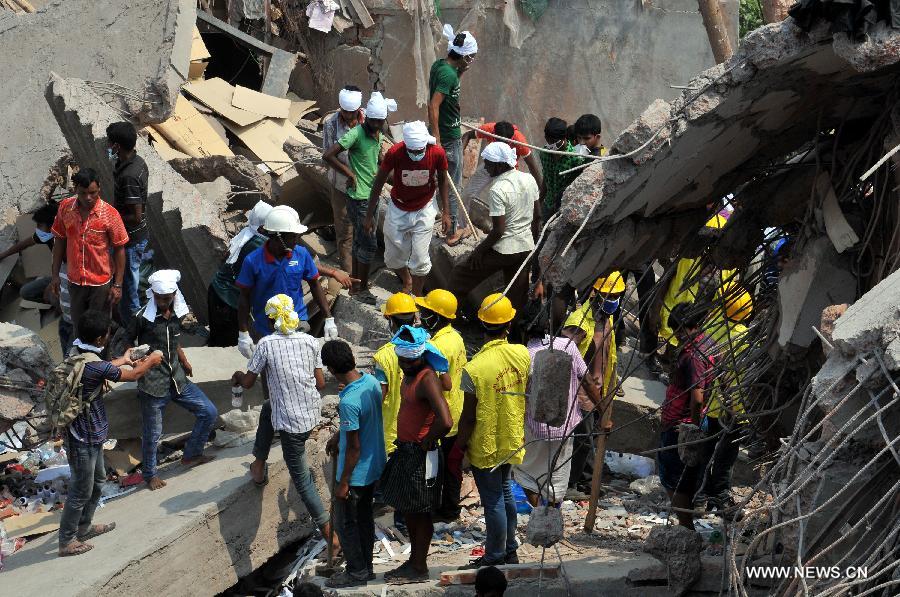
378, 107
415, 135
350, 100
501, 153
469, 47
164, 281
284, 218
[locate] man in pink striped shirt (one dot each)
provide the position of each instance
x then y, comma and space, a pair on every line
544, 472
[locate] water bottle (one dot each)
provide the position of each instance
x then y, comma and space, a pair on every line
237, 396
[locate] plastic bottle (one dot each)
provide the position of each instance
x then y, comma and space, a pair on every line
237, 396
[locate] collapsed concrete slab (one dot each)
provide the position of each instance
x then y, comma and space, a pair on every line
138, 67
186, 231
779, 89
251, 185
23, 350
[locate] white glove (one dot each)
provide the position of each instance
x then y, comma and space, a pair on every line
331, 331
245, 344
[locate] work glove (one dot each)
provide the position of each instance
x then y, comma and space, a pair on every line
331, 331
245, 344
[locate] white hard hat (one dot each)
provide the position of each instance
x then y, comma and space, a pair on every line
284, 218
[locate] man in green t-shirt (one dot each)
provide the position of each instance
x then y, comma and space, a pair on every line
363, 145
443, 113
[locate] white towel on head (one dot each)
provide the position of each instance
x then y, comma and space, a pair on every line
469, 47
165, 281
378, 106
350, 100
415, 135
256, 217
501, 153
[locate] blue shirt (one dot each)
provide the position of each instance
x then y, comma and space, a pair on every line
266, 276
360, 409
92, 426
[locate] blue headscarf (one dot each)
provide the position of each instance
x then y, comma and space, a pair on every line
419, 347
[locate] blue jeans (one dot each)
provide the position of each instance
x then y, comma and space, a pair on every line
85, 487
364, 245
134, 256
453, 149
499, 513
152, 407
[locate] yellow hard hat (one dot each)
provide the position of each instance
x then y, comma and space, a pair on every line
494, 311
716, 222
739, 308
440, 301
612, 283
398, 304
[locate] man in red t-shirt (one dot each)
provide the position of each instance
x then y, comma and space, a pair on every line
480, 179
419, 166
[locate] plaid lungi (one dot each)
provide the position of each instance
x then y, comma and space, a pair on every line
403, 485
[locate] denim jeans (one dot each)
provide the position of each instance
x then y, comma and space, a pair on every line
499, 513
293, 446
34, 289
364, 245
152, 407
355, 527
85, 487
134, 256
453, 148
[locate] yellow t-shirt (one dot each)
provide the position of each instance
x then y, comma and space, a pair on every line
731, 340
583, 317
451, 345
685, 269
388, 372
499, 374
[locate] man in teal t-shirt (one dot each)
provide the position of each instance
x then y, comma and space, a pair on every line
359, 449
363, 146
444, 115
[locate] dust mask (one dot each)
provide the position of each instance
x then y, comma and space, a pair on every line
112, 155
43, 236
609, 307
416, 157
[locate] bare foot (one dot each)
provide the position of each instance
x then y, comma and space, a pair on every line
197, 460
455, 238
258, 471
75, 548
156, 483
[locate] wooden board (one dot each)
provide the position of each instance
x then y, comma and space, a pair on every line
266, 139
260, 103
188, 132
36, 523
217, 94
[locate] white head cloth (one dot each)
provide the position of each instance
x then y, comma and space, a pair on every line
410, 352
469, 47
500, 153
415, 135
350, 100
378, 107
256, 217
165, 281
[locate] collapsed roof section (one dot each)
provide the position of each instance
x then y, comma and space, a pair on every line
736, 120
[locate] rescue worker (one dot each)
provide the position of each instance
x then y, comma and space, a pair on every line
492, 426
599, 350
437, 311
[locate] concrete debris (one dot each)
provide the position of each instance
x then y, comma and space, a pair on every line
551, 370
830, 316
187, 230
250, 184
375, 327
238, 420
143, 88
23, 351
679, 549
545, 527
872, 322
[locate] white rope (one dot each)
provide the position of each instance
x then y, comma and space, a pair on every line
462, 205
878, 164
535, 147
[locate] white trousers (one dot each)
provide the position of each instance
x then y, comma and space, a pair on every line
407, 238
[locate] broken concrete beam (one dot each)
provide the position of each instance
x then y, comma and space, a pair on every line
871, 322
24, 350
679, 550
815, 278
145, 88
213, 368
510, 571
239, 171
186, 231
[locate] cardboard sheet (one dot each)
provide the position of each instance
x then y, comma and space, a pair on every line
199, 50
35, 260
266, 139
217, 94
124, 457
9, 456
163, 147
301, 108
260, 103
36, 523
188, 132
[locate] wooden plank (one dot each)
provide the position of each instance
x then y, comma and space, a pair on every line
266, 139
599, 453
217, 94
363, 13
260, 103
189, 132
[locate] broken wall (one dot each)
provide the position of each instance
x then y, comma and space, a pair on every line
605, 57
135, 54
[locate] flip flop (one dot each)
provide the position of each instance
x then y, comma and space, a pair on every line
77, 550
96, 530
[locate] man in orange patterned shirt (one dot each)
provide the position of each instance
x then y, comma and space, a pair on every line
87, 229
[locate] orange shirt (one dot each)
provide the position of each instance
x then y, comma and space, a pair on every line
521, 150
89, 241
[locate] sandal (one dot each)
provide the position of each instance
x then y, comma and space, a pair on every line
404, 575
75, 548
96, 530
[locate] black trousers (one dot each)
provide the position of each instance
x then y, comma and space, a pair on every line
223, 322
723, 455
355, 527
646, 280
582, 450
450, 485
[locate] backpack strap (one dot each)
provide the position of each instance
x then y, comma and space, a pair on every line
91, 357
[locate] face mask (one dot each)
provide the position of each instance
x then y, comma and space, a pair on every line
43, 236
416, 157
554, 146
112, 155
610, 307
430, 320
582, 150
